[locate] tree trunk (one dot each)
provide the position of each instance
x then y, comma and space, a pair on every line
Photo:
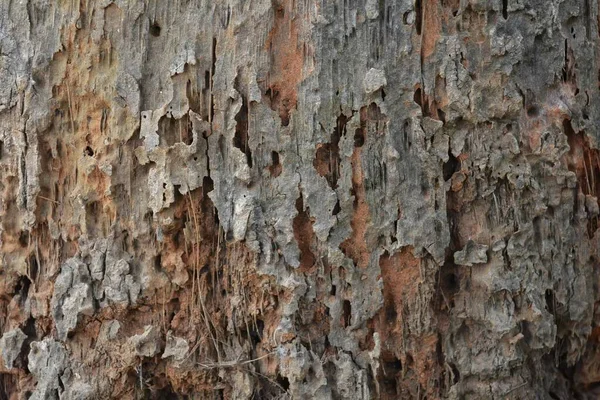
301, 199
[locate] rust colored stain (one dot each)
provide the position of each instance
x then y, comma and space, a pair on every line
400, 273
287, 60
372, 122
408, 358
432, 26
584, 161
355, 247
304, 235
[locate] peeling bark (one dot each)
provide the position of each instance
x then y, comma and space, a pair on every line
299, 199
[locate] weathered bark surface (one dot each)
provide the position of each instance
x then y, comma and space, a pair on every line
307, 199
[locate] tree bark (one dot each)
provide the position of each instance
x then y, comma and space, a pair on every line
299, 199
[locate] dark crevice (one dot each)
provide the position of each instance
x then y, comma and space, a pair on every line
505, 9
24, 238
568, 71
533, 111
29, 330
418, 97
207, 185
22, 289
359, 137
241, 138
158, 263
451, 166
155, 29
33, 267
346, 313
390, 371
167, 393
550, 301
418, 16
212, 78
429, 106
337, 208
275, 167
277, 103
283, 382
327, 157
256, 331
370, 117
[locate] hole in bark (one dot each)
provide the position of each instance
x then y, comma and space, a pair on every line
429, 106
346, 313
22, 287
158, 263
167, 393
359, 137
333, 290
550, 300
283, 382
419, 16
533, 111
207, 185
455, 373
88, 151
241, 132
33, 267
451, 166
391, 315
24, 238
275, 168
336, 208
207, 79
505, 9
391, 368
418, 97
155, 29
256, 331
241, 137
327, 157
441, 115
280, 104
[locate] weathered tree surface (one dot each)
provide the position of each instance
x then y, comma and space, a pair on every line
299, 199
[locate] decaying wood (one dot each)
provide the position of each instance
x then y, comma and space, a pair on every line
299, 199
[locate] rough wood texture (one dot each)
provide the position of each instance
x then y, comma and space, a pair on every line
344, 199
